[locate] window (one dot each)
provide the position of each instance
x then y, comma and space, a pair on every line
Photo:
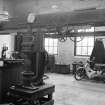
51, 45
7, 40
84, 47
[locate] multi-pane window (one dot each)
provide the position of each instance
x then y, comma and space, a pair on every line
51, 45
85, 46
8, 41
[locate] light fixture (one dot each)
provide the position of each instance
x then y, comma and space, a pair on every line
54, 6
4, 16
31, 18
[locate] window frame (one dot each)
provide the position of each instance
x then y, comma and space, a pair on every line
75, 47
51, 46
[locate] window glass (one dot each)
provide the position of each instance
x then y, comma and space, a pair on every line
8, 42
50, 50
50, 42
78, 51
90, 50
51, 45
55, 42
90, 41
46, 48
84, 42
46, 42
79, 43
84, 51
85, 46
55, 50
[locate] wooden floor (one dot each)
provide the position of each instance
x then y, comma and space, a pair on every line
68, 91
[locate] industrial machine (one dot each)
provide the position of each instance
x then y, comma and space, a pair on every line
35, 58
32, 90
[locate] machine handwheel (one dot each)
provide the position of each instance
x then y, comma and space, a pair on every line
79, 74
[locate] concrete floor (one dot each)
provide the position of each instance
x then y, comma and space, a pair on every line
68, 91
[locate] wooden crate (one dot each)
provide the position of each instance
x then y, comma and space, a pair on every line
61, 68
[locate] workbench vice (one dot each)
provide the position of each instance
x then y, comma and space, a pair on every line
40, 95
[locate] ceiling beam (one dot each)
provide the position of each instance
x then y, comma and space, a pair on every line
92, 17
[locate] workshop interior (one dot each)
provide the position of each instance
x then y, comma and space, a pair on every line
49, 48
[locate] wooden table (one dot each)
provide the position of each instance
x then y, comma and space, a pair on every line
32, 95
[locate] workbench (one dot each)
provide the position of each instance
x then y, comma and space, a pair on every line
10, 74
40, 95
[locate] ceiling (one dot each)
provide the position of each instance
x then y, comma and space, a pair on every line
49, 10
16, 7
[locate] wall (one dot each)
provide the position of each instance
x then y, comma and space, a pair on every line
66, 53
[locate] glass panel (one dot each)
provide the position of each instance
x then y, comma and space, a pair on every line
78, 43
78, 51
84, 50
55, 50
51, 45
90, 41
103, 40
84, 41
50, 42
46, 41
86, 45
8, 42
55, 42
46, 48
90, 50
51, 50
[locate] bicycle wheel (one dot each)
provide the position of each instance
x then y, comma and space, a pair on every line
80, 73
